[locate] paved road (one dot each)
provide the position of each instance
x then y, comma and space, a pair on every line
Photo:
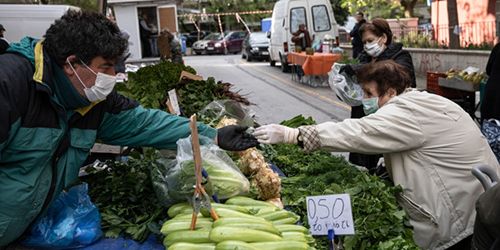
277, 96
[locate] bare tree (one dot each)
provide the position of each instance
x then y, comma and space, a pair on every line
452, 23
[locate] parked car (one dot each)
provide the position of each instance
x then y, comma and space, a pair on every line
255, 47
317, 15
192, 37
199, 47
230, 43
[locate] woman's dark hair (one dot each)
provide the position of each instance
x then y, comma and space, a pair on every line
387, 74
378, 26
86, 35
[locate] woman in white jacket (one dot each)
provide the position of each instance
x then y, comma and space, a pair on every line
429, 144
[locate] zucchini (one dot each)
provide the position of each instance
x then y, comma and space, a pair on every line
289, 220
233, 220
295, 236
177, 225
283, 245
292, 228
191, 246
224, 212
237, 208
198, 236
245, 201
176, 209
223, 233
277, 215
256, 226
266, 210
234, 245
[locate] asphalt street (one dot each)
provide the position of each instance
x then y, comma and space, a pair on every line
276, 95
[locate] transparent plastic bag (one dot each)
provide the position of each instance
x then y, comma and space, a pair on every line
72, 221
229, 108
174, 180
346, 87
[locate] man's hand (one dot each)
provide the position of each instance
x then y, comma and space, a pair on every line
274, 134
234, 138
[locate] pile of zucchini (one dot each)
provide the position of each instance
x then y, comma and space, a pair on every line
244, 224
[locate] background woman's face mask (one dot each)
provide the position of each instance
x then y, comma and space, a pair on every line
374, 49
102, 87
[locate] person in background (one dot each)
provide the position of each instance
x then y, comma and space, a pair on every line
4, 44
430, 145
145, 34
490, 106
357, 43
302, 38
378, 46
57, 99
169, 47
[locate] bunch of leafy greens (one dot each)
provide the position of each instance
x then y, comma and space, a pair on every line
379, 221
150, 86
125, 197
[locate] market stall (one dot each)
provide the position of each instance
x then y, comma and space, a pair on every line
145, 199
458, 86
312, 66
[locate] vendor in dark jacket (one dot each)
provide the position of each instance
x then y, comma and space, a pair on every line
378, 46
56, 100
490, 106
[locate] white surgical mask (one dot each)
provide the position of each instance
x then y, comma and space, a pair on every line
374, 49
370, 105
103, 86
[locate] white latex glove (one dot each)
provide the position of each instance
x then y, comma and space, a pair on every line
274, 134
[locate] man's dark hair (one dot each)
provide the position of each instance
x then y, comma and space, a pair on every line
387, 74
86, 35
360, 14
378, 26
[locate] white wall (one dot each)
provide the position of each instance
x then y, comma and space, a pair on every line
127, 19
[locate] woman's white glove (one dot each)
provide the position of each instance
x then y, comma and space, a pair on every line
274, 134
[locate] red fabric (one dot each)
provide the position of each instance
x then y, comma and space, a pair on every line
317, 64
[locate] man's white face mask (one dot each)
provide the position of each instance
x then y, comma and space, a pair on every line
103, 86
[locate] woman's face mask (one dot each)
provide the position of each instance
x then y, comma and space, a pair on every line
374, 49
102, 87
370, 105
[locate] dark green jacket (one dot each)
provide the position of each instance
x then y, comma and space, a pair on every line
35, 121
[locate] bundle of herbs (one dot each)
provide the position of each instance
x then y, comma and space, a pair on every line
124, 195
150, 86
380, 223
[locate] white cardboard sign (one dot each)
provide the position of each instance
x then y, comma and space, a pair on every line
330, 212
172, 96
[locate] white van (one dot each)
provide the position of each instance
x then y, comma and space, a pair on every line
317, 15
20, 20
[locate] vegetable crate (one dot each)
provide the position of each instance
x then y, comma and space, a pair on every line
433, 87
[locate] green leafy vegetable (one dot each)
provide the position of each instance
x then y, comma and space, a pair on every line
125, 198
379, 221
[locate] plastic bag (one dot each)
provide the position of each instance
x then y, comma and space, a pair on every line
71, 221
230, 108
345, 86
174, 180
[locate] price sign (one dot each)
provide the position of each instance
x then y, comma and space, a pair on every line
172, 96
330, 212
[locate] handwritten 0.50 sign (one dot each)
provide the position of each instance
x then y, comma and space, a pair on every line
327, 212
